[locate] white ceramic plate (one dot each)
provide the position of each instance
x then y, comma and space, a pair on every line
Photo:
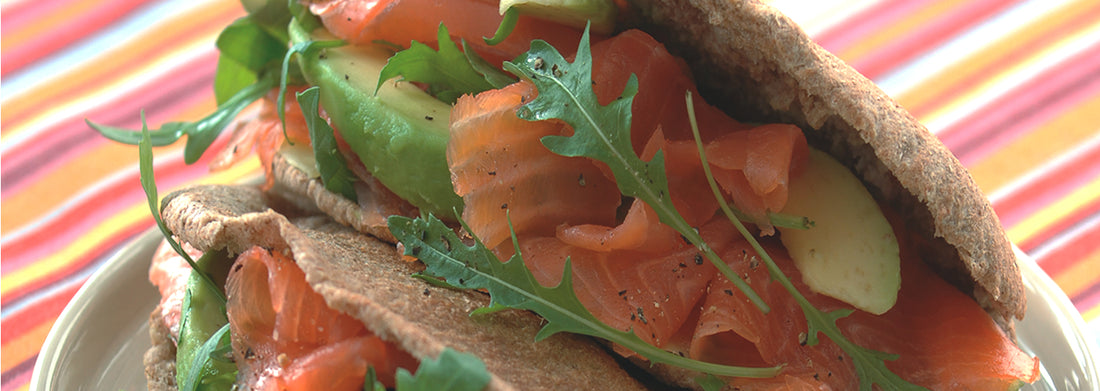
98, 341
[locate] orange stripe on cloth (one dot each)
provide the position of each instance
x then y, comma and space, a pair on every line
65, 14
132, 215
25, 346
1082, 275
56, 187
999, 55
1054, 212
1046, 142
198, 26
880, 38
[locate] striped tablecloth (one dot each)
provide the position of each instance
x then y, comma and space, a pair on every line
1011, 86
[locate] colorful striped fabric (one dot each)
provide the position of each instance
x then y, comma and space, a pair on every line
1011, 86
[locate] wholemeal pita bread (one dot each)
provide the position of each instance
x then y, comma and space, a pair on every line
758, 65
367, 279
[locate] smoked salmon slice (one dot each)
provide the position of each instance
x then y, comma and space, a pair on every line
402, 21
504, 173
286, 338
634, 275
265, 133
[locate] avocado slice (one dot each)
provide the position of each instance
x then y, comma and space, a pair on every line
202, 315
576, 13
851, 253
399, 133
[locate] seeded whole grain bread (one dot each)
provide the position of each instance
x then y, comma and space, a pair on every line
366, 278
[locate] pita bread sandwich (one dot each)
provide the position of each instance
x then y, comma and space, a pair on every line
696, 185
311, 303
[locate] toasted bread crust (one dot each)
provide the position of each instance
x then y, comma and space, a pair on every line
367, 279
760, 66
160, 359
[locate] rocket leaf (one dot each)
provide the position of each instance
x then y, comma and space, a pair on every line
603, 133
511, 284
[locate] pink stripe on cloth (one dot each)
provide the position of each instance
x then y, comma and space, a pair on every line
843, 35
100, 201
1044, 187
53, 40
157, 98
1075, 78
928, 36
24, 13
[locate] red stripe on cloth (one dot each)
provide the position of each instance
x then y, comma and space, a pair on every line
863, 24
928, 36
157, 98
18, 325
107, 71
968, 133
1044, 189
1063, 96
73, 220
45, 309
1049, 233
59, 37
21, 14
18, 376
1020, 52
1088, 299
87, 259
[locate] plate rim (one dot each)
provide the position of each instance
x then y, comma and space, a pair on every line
46, 364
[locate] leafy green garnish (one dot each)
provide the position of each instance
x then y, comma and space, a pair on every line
603, 133
870, 364
306, 48
214, 349
371, 383
246, 71
200, 134
507, 24
511, 284
246, 50
495, 77
449, 72
710, 382
451, 371
219, 340
335, 174
149, 185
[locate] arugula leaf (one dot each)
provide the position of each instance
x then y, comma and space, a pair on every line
511, 284
603, 133
149, 185
246, 51
212, 350
507, 24
307, 48
710, 382
870, 364
335, 174
451, 371
220, 339
200, 134
494, 76
449, 73
371, 383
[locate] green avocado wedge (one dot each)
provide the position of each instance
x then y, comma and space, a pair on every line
399, 133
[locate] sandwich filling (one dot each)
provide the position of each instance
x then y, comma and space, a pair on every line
570, 217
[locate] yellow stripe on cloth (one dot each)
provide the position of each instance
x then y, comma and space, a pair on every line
1080, 276
1054, 212
1044, 143
109, 228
